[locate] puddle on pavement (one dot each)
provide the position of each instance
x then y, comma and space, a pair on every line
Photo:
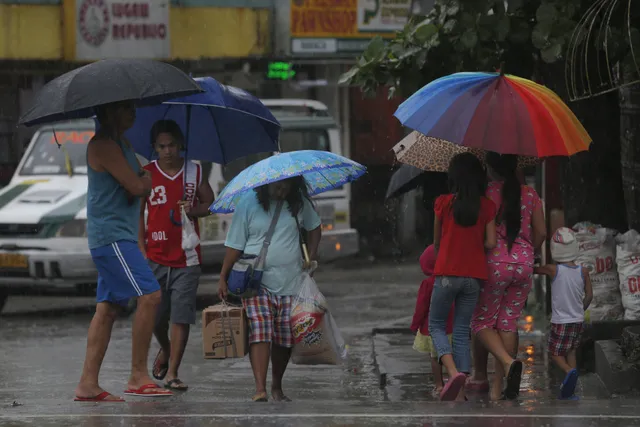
409, 378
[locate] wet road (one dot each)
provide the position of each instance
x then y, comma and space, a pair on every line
42, 357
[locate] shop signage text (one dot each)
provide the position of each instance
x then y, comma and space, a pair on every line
347, 18
280, 71
115, 29
383, 15
324, 18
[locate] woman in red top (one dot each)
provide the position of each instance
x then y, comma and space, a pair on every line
464, 227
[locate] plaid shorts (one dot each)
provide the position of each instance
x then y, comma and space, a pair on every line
269, 318
564, 337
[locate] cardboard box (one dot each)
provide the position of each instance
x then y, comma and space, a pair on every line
224, 332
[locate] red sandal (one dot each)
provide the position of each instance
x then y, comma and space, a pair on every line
142, 391
102, 397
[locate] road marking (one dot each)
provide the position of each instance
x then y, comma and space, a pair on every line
324, 415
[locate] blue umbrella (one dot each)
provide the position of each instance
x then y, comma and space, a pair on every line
220, 125
322, 170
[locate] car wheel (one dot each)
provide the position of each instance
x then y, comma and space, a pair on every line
4, 296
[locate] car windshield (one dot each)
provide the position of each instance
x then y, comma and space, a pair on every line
290, 140
46, 158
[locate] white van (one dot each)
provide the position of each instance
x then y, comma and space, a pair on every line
43, 242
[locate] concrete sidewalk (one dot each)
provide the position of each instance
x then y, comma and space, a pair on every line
404, 374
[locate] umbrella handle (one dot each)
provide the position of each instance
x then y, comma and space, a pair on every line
305, 252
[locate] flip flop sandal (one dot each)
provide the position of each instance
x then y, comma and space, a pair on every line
142, 391
102, 397
452, 387
176, 384
568, 387
160, 369
514, 377
260, 397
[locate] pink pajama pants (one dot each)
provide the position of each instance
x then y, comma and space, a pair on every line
502, 297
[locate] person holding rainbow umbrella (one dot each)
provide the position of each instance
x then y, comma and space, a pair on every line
505, 116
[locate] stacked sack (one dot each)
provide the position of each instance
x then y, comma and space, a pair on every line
597, 253
628, 261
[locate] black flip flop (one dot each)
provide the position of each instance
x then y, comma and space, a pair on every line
514, 377
176, 385
159, 370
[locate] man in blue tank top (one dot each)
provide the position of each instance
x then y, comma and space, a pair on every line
116, 185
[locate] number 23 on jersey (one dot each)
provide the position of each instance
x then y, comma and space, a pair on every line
158, 196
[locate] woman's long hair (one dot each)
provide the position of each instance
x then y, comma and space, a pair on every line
505, 165
468, 183
295, 198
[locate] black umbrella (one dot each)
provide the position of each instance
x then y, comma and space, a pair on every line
75, 94
405, 179
408, 177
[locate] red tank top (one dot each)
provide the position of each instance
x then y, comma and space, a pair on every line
163, 235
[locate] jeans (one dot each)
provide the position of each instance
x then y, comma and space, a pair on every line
447, 291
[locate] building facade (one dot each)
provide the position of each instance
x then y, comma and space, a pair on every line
40, 39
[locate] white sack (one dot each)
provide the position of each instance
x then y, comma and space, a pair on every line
597, 253
628, 262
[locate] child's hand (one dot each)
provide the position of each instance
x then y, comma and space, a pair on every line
547, 270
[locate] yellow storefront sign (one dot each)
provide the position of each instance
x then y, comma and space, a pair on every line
345, 19
50, 31
30, 31
324, 18
219, 32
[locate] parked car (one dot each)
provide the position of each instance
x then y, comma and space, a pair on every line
43, 215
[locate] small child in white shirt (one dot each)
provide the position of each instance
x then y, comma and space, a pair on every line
571, 294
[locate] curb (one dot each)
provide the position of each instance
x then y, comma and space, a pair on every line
389, 331
616, 373
377, 368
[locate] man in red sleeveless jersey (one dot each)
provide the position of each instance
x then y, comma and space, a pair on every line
175, 183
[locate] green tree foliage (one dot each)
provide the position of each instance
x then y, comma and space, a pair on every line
476, 35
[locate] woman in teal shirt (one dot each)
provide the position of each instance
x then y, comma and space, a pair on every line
269, 313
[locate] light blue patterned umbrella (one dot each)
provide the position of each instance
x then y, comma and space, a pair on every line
322, 170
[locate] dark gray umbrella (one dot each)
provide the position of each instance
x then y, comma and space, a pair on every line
405, 179
408, 177
75, 94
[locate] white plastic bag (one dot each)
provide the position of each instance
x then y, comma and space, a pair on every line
317, 339
190, 239
628, 261
597, 253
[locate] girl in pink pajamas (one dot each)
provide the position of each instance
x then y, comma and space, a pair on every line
521, 230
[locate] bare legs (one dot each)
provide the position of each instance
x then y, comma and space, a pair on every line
503, 346
172, 353
566, 363
279, 359
436, 369
480, 360
143, 326
260, 354
98, 339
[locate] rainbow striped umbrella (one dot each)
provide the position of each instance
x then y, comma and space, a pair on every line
495, 112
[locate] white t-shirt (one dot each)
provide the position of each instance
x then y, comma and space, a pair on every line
567, 295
